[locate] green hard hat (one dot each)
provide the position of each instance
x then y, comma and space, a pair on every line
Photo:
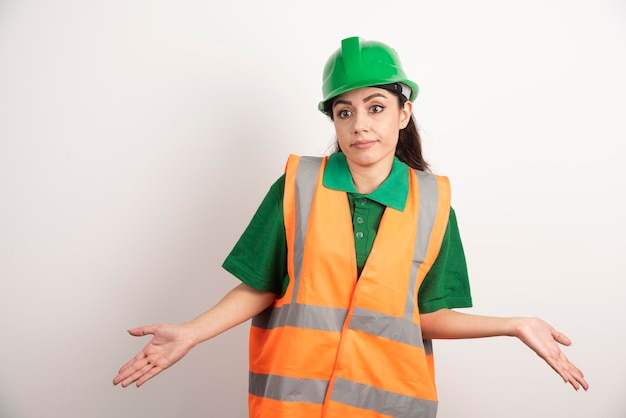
359, 63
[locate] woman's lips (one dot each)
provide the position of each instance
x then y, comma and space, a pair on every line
362, 144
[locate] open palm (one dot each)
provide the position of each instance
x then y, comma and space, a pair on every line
168, 345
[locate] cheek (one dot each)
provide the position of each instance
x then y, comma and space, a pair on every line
388, 133
342, 133
343, 145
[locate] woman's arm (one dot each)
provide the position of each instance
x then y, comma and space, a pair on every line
534, 332
171, 342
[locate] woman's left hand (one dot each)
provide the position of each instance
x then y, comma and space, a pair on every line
544, 340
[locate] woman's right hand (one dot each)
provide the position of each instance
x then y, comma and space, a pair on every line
170, 343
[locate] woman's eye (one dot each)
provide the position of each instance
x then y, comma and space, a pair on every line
344, 113
377, 108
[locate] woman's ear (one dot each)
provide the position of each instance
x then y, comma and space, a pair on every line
405, 114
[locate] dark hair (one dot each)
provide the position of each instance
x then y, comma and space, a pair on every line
409, 148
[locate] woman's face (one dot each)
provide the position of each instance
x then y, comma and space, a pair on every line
367, 122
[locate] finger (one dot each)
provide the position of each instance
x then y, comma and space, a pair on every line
578, 377
137, 363
559, 362
561, 338
153, 372
560, 365
141, 368
571, 374
137, 375
134, 362
578, 381
584, 384
141, 331
574, 384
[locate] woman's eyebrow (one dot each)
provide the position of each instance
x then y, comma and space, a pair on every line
342, 101
371, 96
365, 100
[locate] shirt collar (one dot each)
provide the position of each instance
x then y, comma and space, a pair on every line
392, 192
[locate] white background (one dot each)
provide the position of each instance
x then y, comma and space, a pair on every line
137, 138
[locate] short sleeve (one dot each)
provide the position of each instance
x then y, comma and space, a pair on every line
446, 285
259, 258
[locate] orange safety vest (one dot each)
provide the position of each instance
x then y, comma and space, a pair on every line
337, 345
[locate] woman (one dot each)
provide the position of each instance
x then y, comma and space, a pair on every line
363, 268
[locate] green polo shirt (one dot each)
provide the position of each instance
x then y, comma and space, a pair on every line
259, 257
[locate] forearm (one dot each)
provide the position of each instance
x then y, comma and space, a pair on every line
449, 324
237, 306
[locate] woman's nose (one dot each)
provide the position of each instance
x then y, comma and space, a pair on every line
361, 122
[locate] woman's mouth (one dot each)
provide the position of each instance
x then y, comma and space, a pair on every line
362, 144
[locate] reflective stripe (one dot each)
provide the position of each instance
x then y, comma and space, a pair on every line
288, 388
382, 401
428, 346
392, 328
306, 180
331, 319
428, 204
302, 316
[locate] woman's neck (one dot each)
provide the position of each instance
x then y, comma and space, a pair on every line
369, 178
